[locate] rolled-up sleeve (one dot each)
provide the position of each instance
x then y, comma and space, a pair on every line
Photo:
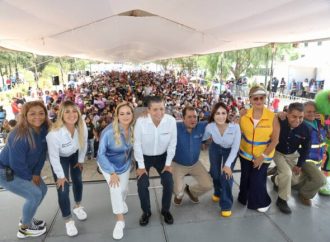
207, 133
102, 158
172, 145
83, 150
234, 148
138, 153
54, 154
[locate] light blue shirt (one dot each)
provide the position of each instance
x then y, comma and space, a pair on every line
111, 157
230, 139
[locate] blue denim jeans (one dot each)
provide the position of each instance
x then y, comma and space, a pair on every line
222, 186
32, 194
76, 177
90, 147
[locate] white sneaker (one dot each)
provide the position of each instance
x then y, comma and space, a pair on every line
80, 213
125, 208
118, 231
263, 210
71, 229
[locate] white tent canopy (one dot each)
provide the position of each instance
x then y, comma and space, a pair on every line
144, 30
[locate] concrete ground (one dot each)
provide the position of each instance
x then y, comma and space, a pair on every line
192, 222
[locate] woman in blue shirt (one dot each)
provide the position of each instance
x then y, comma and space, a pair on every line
21, 161
223, 150
114, 159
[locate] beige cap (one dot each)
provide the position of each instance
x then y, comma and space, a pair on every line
254, 91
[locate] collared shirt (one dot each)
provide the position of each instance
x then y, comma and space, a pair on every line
111, 156
61, 144
151, 140
21, 158
230, 139
189, 144
292, 140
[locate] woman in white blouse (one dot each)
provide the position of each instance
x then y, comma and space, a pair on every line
223, 151
67, 146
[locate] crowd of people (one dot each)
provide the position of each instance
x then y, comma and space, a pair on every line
144, 120
306, 88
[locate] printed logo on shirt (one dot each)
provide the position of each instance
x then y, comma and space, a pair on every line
197, 136
66, 145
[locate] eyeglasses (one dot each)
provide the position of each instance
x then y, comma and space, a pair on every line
258, 98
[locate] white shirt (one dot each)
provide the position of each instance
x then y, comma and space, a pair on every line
151, 140
231, 138
61, 144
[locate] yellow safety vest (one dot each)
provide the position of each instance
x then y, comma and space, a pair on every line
255, 140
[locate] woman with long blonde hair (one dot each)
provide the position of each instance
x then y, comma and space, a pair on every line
115, 158
67, 146
21, 161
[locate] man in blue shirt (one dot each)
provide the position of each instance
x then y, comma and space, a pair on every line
185, 161
291, 153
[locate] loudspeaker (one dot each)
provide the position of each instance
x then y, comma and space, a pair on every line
87, 73
56, 80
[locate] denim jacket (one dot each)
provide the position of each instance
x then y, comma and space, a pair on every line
111, 157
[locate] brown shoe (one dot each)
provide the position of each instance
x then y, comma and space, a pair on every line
304, 200
190, 195
177, 201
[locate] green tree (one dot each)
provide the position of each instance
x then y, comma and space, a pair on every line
164, 63
187, 63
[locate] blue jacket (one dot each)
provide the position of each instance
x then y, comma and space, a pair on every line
188, 145
318, 145
23, 160
112, 157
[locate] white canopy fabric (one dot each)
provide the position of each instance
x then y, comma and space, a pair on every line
145, 30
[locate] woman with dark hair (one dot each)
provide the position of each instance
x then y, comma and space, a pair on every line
21, 161
67, 146
260, 133
115, 158
222, 154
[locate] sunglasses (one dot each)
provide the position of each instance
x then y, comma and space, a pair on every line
258, 98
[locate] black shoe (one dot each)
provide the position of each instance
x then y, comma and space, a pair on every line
168, 218
190, 195
283, 206
272, 178
144, 220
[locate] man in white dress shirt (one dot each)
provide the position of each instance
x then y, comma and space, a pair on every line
155, 140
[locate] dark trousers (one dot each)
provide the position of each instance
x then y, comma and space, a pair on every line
158, 162
222, 186
63, 194
253, 189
